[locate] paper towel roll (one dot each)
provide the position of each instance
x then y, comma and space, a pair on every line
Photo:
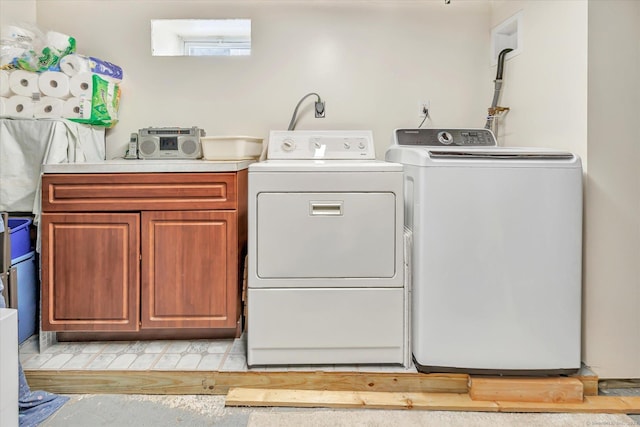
54, 83
81, 85
48, 107
19, 106
23, 83
76, 108
5, 90
74, 64
3, 106
63, 43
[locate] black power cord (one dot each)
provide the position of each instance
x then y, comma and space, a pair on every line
425, 111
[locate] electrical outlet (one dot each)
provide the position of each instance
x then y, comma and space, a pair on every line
423, 109
319, 107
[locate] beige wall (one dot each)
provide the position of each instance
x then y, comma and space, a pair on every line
545, 86
612, 227
17, 12
574, 86
373, 62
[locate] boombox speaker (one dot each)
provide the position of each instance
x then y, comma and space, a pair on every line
170, 143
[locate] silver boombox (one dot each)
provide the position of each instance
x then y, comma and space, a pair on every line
170, 143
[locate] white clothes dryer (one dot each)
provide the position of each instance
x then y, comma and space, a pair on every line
325, 251
497, 250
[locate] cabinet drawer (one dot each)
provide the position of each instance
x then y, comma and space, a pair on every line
138, 191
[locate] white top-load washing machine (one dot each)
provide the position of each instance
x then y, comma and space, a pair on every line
497, 249
325, 252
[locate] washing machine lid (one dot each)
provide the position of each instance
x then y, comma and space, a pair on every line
469, 147
482, 157
324, 166
498, 154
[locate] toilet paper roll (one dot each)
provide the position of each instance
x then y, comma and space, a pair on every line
76, 108
5, 90
3, 106
75, 64
24, 83
19, 106
81, 85
48, 107
55, 84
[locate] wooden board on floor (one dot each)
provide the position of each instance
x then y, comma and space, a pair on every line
355, 399
591, 404
208, 382
521, 389
617, 383
589, 380
589, 383
213, 382
422, 401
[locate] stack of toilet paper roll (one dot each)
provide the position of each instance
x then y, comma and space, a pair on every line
53, 94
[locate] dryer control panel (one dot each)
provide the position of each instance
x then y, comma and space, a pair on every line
445, 137
321, 145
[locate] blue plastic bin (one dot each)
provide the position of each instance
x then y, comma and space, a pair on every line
20, 236
27, 295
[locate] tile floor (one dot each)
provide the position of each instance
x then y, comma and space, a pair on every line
197, 355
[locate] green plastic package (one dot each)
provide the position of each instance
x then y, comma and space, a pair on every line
56, 45
105, 101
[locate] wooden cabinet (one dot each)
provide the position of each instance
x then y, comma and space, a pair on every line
91, 276
142, 252
187, 260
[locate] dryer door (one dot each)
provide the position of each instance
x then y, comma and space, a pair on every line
326, 235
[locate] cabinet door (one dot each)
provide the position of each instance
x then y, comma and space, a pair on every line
90, 272
189, 275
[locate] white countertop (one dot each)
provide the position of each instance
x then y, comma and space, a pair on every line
141, 166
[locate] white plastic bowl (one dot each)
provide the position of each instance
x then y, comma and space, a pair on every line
231, 147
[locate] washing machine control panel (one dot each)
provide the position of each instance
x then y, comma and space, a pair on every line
445, 137
321, 145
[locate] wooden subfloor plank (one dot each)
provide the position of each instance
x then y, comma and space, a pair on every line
213, 382
591, 404
522, 389
121, 382
346, 381
616, 383
422, 401
355, 399
589, 384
